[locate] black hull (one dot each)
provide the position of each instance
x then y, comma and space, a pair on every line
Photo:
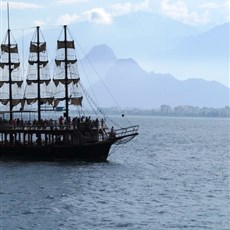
98, 151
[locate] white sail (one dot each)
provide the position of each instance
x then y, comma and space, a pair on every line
11, 83
38, 78
66, 77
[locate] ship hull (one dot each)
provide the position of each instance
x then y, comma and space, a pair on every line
97, 151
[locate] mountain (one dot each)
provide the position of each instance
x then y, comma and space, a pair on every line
97, 62
101, 53
204, 55
132, 86
212, 44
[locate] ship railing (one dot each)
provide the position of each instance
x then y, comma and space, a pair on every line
28, 126
98, 133
124, 135
48, 126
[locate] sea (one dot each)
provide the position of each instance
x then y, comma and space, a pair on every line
173, 175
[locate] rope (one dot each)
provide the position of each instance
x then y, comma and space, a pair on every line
100, 78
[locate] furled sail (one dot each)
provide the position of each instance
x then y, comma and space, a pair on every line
67, 44
13, 48
34, 47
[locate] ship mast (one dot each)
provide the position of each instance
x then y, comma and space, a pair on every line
10, 63
38, 75
66, 74
9, 68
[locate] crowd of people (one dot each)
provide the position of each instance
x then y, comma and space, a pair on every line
61, 123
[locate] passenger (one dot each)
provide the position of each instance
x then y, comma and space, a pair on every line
96, 123
39, 140
102, 123
18, 123
61, 122
112, 133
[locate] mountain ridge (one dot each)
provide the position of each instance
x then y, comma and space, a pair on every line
132, 86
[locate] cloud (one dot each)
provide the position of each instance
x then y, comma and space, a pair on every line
39, 23
20, 5
70, 1
210, 5
192, 12
126, 8
102, 16
67, 19
179, 11
99, 16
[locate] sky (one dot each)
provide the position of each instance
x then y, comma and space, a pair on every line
25, 14
54, 12
29, 13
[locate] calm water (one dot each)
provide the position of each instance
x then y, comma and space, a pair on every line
174, 175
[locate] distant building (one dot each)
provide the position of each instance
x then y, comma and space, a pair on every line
166, 109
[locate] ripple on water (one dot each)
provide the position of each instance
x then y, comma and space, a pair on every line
174, 175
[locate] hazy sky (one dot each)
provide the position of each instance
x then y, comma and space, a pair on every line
201, 14
29, 13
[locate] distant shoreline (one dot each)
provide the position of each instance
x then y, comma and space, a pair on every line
178, 111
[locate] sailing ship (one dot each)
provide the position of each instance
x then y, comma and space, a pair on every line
73, 138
